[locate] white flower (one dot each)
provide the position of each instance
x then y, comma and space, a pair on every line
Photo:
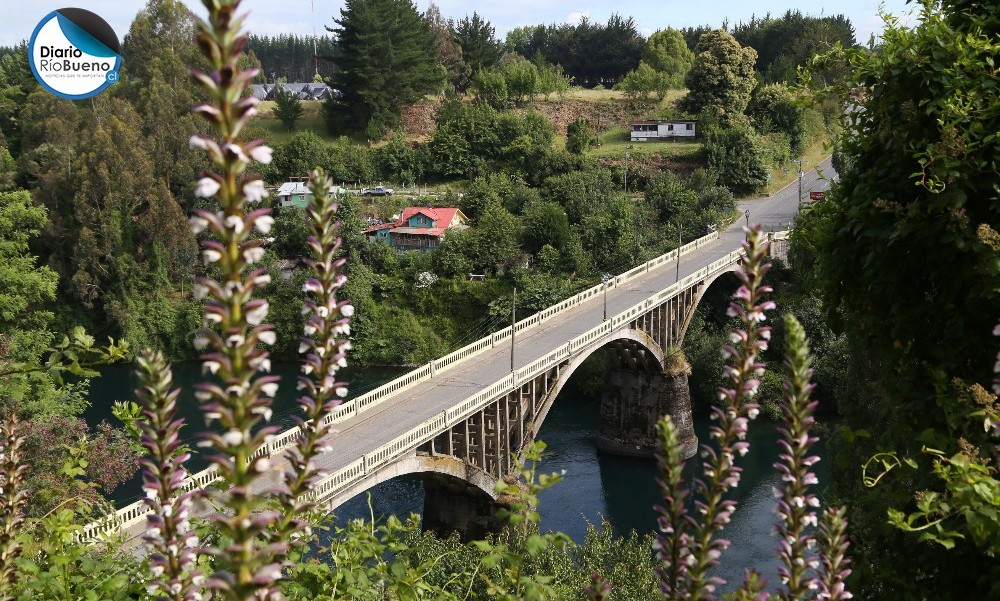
235, 223
211, 255
261, 154
257, 315
263, 465
253, 254
233, 437
268, 337
753, 413
347, 310
199, 292
237, 150
341, 391
207, 186
197, 224
210, 366
199, 141
200, 342
270, 389
264, 412
263, 223
213, 318
309, 330
254, 190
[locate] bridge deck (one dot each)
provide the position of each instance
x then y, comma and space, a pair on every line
394, 416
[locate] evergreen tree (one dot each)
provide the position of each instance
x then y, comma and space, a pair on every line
287, 107
387, 58
449, 52
579, 137
480, 49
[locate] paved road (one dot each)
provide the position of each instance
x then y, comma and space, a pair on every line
397, 415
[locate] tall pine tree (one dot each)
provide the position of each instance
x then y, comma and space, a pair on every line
386, 58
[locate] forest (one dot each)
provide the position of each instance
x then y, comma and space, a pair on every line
96, 245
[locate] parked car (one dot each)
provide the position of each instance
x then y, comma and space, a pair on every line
376, 191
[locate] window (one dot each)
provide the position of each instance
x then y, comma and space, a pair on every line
670, 127
689, 126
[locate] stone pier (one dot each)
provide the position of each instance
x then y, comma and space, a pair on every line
634, 397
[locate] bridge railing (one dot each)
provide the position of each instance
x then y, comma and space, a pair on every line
134, 512
430, 428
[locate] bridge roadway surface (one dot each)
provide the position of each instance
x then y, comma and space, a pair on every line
396, 415
411, 406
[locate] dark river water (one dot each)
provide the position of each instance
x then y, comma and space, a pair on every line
596, 486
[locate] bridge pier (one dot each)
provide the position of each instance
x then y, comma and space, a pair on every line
455, 505
636, 393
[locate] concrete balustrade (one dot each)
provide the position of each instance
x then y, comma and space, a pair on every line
425, 431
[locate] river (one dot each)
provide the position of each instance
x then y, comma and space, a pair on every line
595, 487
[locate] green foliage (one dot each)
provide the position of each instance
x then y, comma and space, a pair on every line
917, 198
522, 79
737, 153
722, 76
784, 43
380, 67
545, 225
287, 107
56, 566
480, 50
641, 82
304, 152
579, 137
580, 192
491, 88
667, 53
774, 110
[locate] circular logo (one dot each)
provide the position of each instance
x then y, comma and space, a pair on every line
74, 53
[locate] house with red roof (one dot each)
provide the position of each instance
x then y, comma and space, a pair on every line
418, 228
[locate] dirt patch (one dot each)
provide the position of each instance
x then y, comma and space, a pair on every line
418, 119
602, 114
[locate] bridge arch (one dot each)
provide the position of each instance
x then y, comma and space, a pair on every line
566, 372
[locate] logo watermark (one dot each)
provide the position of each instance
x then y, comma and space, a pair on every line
74, 53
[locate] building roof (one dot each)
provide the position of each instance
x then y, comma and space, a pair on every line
288, 188
442, 218
658, 121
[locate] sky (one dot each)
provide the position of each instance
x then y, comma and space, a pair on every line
271, 17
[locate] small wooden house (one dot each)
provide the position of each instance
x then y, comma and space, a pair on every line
418, 228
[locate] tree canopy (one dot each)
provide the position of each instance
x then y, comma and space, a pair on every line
386, 56
722, 75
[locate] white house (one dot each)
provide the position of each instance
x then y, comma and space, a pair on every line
297, 194
643, 131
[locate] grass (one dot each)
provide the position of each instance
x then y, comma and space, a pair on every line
614, 141
311, 120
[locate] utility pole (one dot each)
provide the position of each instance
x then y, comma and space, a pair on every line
747, 214
606, 278
513, 322
800, 182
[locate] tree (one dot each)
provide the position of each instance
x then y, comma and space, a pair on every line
722, 75
449, 51
639, 83
736, 154
386, 57
491, 88
908, 263
667, 53
287, 107
579, 137
480, 49
497, 238
545, 225
303, 153
773, 109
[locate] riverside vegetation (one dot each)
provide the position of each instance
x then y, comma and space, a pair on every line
933, 414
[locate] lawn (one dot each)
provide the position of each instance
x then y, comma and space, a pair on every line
312, 120
615, 140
